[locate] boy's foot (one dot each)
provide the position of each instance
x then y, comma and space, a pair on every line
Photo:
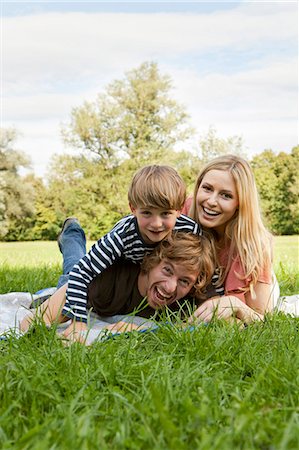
68, 221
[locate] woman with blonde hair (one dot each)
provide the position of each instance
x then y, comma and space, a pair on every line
226, 203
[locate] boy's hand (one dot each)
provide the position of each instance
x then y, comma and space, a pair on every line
76, 332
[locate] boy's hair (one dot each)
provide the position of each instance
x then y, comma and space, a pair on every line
157, 186
195, 253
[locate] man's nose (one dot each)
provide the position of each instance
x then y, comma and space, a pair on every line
171, 285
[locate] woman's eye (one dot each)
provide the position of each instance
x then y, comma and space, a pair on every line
227, 196
206, 188
167, 269
184, 283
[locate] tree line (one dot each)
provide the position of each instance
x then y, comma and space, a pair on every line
134, 122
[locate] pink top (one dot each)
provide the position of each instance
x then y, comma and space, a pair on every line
187, 205
234, 282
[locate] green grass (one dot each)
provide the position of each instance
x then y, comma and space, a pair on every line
30, 266
218, 387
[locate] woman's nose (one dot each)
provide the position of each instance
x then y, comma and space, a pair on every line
212, 200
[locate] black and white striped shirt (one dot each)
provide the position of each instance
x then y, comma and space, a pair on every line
123, 241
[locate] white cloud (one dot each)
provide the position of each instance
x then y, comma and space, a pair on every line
76, 45
53, 62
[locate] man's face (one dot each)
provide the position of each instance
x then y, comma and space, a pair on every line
168, 282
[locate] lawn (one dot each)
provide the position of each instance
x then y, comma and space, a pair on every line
218, 387
30, 266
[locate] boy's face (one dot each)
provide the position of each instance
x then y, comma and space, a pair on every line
155, 223
168, 282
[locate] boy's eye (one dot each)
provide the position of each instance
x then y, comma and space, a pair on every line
166, 214
146, 213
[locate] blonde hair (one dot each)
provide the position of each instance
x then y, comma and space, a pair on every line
195, 253
245, 233
157, 186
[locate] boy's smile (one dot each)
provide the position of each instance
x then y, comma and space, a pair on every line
155, 223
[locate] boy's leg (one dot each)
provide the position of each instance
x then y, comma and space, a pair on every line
72, 244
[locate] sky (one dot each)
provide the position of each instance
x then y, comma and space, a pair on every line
234, 66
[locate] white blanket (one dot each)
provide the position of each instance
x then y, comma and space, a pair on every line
15, 306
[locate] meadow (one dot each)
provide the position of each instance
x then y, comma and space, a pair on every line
217, 387
30, 266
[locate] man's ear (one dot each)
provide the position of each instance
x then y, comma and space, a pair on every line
133, 210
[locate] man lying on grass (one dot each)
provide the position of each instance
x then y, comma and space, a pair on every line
181, 265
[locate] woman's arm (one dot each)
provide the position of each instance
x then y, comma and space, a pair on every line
263, 301
225, 307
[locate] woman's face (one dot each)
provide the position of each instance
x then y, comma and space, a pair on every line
216, 200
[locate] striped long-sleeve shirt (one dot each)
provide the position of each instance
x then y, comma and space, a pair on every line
123, 241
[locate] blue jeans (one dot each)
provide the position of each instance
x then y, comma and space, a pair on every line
72, 244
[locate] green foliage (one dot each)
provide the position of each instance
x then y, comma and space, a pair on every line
133, 122
212, 146
16, 192
277, 181
216, 387
134, 118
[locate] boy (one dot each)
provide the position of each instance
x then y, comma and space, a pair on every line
156, 197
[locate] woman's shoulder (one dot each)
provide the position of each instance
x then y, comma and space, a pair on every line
187, 205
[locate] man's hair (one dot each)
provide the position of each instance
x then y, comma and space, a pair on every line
195, 253
157, 186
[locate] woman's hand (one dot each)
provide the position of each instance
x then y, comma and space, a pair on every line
226, 307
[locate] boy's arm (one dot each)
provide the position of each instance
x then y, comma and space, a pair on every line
186, 224
101, 256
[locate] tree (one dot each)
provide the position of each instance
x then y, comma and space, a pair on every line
277, 181
134, 118
16, 194
212, 146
